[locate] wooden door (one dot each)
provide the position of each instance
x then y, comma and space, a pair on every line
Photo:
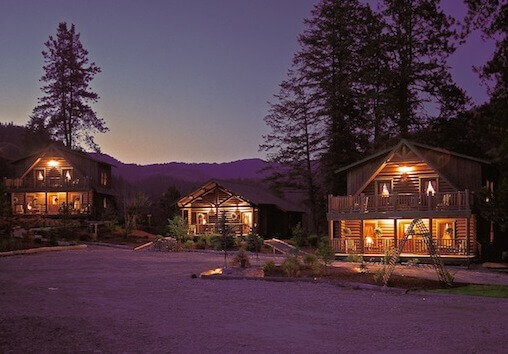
53, 203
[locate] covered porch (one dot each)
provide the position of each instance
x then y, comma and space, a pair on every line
377, 237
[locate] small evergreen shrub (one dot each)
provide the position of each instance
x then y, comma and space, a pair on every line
379, 274
309, 260
220, 243
188, 244
291, 266
298, 235
313, 240
353, 257
325, 252
254, 243
268, 266
241, 259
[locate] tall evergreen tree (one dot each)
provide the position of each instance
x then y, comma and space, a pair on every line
420, 39
64, 111
329, 64
295, 142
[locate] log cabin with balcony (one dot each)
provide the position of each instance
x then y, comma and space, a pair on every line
248, 209
43, 182
386, 191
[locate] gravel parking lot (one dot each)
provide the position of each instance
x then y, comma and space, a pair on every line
114, 300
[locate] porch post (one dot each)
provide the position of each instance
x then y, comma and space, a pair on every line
468, 234
394, 233
361, 236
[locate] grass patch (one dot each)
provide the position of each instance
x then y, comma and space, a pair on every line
500, 291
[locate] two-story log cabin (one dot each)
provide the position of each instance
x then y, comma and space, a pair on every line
387, 190
57, 176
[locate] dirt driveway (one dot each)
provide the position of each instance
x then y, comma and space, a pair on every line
113, 300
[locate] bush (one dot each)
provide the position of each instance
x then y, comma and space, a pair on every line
254, 243
319, 268
309, 260
203, 242
313, 240
291, 266
387, 256
188, 244
242, 259
177, 228
268, 266
413, 261
353, 257
325, 252
221, 243
378, 276
298, 235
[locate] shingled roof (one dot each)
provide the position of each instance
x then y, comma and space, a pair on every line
254, 194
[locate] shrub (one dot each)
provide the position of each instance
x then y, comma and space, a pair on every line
242, 259
203, 242
221, 243
319, 268
413, 261
309, 260
313, 240
188, 244
387, 256
291, 266
268, 266
254, 243
378, 276
177, 228
325, 252
353, 257
298, 235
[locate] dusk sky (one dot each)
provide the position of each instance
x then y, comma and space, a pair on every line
181, 80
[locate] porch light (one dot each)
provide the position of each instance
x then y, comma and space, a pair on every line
53, 163
405, 169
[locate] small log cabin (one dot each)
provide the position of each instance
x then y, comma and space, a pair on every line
248, 209
57, 176
387, 190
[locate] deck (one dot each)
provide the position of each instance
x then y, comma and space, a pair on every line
400, 203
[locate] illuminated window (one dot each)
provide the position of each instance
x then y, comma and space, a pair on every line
67, 175
384, 188
39, 175
428, 186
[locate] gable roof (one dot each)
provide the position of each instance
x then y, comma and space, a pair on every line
417, 149
252, 193
62, 149
413, 146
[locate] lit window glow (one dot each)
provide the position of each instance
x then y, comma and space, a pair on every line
430, 190
384, 191
53, 163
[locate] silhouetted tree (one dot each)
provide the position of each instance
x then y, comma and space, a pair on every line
295, 142
168, 201
420, 38
64, 111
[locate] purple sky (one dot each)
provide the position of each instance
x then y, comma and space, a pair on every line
182, 80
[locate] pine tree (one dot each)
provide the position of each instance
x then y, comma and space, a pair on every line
330, 66
64, 110
420, 39
295, 142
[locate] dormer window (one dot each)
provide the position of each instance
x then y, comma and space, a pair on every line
67, 175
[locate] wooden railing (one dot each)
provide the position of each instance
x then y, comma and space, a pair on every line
57, 183
399, 202
412, 246
237, 229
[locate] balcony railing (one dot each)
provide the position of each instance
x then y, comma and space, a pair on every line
399, 202
48, 183
384, 245
237, 229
